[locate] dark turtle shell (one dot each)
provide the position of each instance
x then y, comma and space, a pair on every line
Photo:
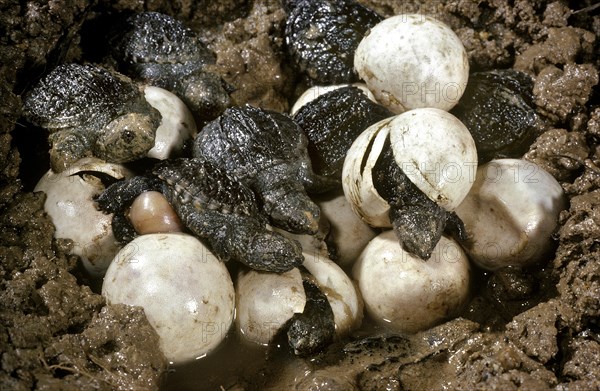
498, 109
152, 37
267, 152
248, 140
322, 35
332, 122
73, 95
159, 50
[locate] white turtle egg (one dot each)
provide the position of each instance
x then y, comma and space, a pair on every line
266, 301
177, 124
510, 213
347, 230
431, 146
413, 60
70, 205
186, 292
407, 294
340, 291
314, 92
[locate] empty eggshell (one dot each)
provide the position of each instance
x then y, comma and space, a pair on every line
413, 60
70, 205
186, 292
407, 294
510, 213
176, 127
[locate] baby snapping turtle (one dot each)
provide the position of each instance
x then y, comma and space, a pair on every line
267, 152
212, 205
90, 110
322, 35
161, 51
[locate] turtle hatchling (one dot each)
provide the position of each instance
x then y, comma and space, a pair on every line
90, 110
267, 151
214, 206
162, 51
322, 35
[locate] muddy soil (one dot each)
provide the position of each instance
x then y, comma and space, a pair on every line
531, 329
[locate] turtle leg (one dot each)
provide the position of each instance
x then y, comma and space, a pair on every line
313, 329
242, 238
67, 146
317, 184
117, 198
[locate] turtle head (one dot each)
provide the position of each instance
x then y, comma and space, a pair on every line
126, 138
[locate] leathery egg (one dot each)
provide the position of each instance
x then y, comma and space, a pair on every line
186, 292
412, 60
407, 294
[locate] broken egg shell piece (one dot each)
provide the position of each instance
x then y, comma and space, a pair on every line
70, 205
511, 213
357, 179
266, 301
406, 294
436, 152
186, 292
150, 213
342, 295
347, 230
177, 124
314, 92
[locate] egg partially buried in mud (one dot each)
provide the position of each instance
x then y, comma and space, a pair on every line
510, 214
407, 294
186, 292
70, 205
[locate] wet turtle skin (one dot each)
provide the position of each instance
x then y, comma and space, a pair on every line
322, 35
498, 109
312, 330
418, 221
159, 50
332, 122
212, 205
267, 152
90, 110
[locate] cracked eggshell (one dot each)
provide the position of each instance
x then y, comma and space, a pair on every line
266, 301
357, 179
436, 152
70, 205
176, 127
431, 146
186, 292
413, 60
343, 297
406, 294
314, 92
347, 230
511, 213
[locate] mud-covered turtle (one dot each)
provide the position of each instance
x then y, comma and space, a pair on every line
267, 152
322, 35
214, 206
91, 111
162, 51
